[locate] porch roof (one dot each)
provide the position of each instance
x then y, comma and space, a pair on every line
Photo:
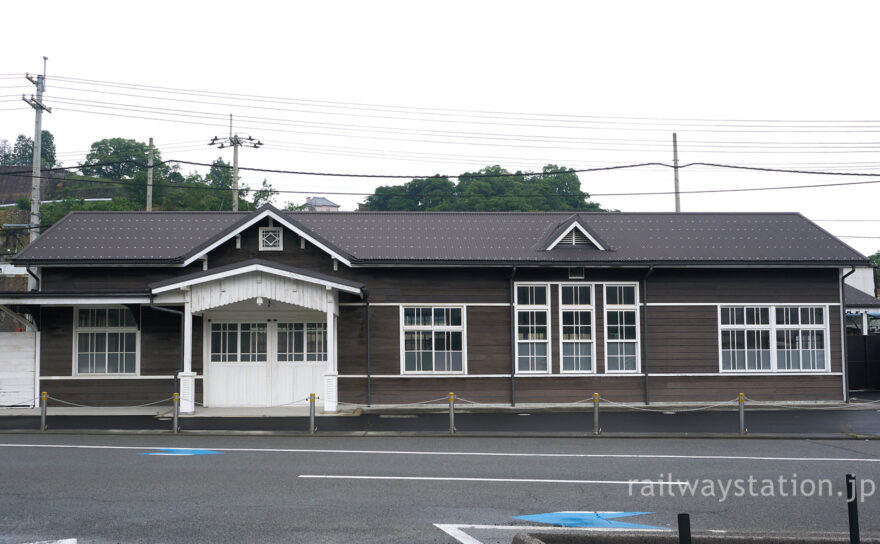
859, 299
257, 265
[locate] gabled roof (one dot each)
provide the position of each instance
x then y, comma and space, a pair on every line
255, 217
321, 201
257, 265
453, 238
858, 299
574, 223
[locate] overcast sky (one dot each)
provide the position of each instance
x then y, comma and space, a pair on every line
422, 88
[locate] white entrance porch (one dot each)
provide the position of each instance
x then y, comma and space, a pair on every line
269, 334
273, 357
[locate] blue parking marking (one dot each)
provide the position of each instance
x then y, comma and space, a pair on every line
589, 519
182, 451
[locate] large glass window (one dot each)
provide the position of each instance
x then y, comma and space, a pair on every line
302, 342
106, 341
747, 333
532, 328
576, 323
800, 338
745, 338
239, 342
433, 339
621, 326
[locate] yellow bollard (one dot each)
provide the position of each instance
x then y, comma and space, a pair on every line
175, 399
44, 403
596, 413
451, 413
312, 428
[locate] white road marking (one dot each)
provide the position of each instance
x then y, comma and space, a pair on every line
65, 541
471, 454
455, 530
498, 480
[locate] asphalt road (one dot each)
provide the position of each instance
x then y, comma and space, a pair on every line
299, 489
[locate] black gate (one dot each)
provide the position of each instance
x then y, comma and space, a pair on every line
863, 362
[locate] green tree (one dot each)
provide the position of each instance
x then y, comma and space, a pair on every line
491, 188
21, 153
120, 159
875, 260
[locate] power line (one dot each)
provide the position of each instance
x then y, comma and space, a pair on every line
349, 114
646, 193
433, 110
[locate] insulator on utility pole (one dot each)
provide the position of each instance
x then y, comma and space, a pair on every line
235, 141
36, 178
37, 104
150, 177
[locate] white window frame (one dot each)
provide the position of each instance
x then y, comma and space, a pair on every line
237, 362
773, 328
532, 308
305, 332
578, 308
432, 329
635, 307
77, 330
280, 231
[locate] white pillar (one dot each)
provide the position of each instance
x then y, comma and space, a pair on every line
331, 396
187, 377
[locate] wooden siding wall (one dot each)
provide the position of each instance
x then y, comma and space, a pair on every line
682, 335
160, 356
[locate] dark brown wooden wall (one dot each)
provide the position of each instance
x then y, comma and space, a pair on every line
160, 342
113, 392
568, 389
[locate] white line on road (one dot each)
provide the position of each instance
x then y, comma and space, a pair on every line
497, 480
456, 530
469, 453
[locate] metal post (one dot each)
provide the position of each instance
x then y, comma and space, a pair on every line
175, 399
675, 167
312, 413
852, 503
40, 83
742, 414
684, 529
451, 413
44, 402
235, 173
596, 413
150, 177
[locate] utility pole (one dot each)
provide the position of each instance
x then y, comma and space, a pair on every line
150, 177
235, 141
675, 167
37, 104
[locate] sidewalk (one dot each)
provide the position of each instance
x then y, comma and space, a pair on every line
807, 422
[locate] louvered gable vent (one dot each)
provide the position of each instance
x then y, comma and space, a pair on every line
574, 238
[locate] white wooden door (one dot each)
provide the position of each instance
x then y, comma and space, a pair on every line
17, 365
278, 362
239, 364
299, 360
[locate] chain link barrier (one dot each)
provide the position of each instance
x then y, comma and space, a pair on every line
153, 403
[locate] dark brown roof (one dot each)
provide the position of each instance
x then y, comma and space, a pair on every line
858, 299
458, 238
